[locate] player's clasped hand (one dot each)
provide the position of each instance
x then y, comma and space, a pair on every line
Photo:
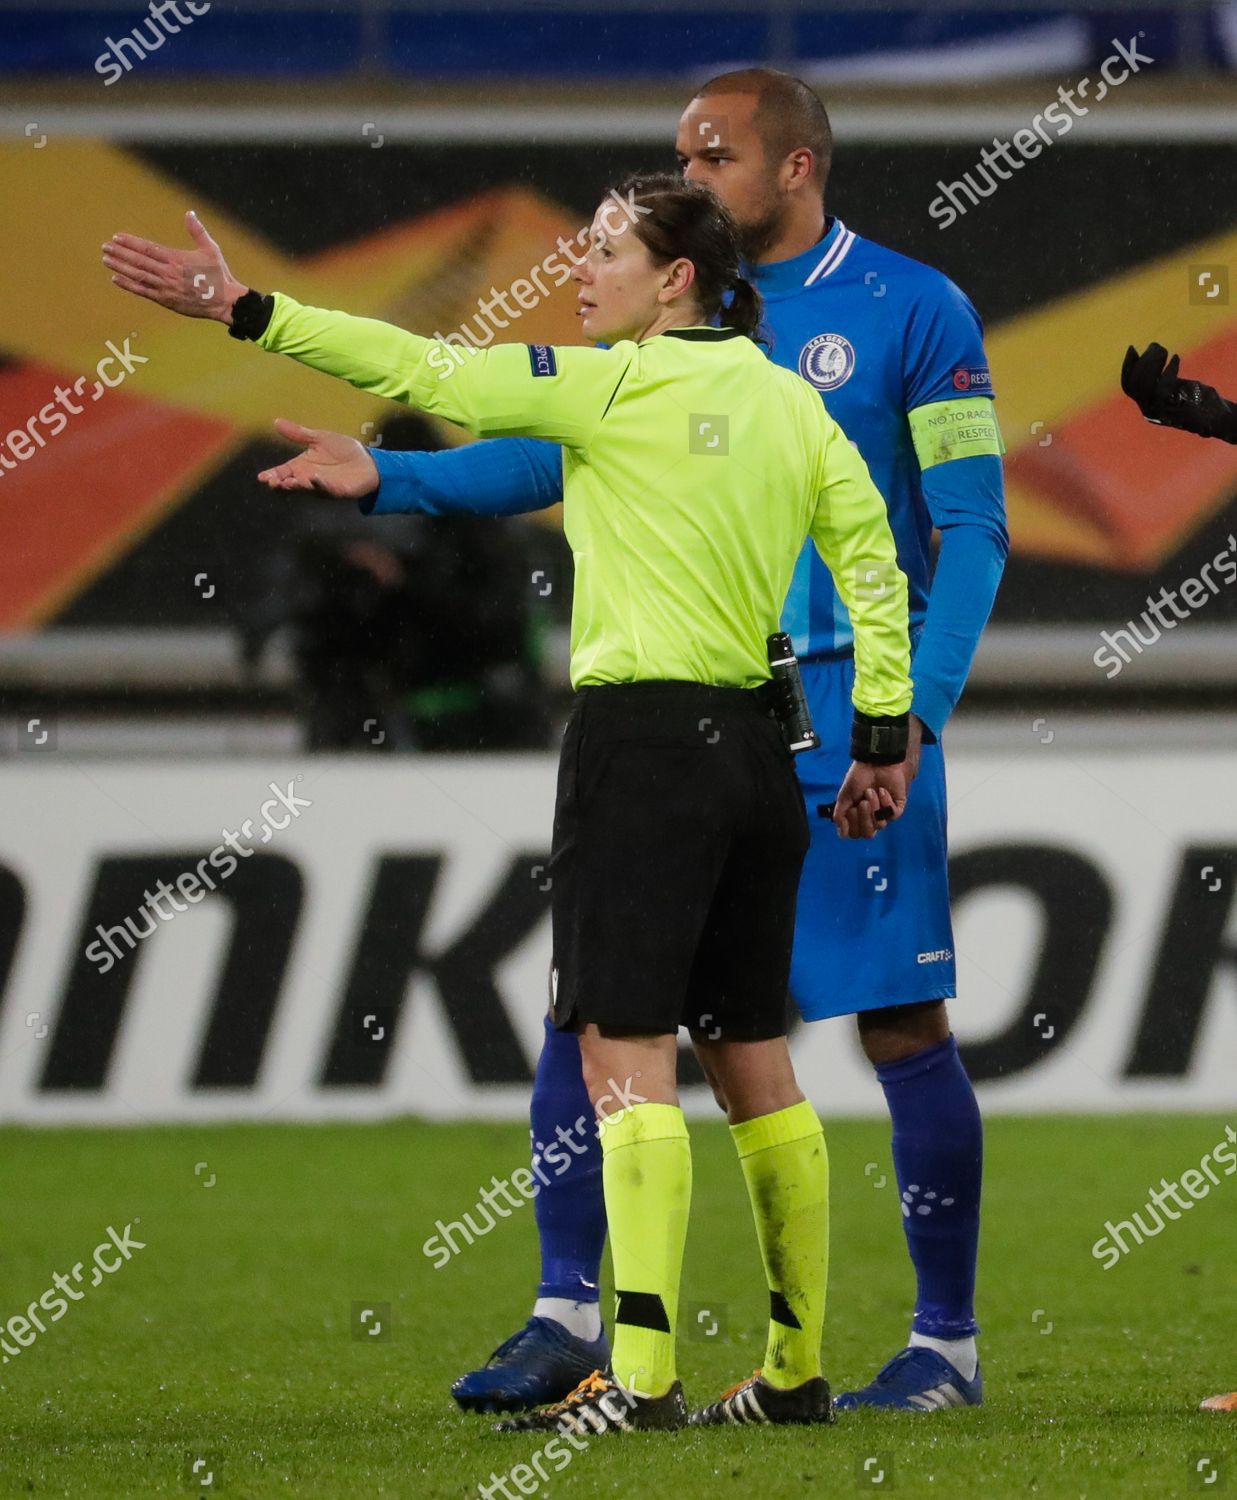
331, 464
195, 283
870, 797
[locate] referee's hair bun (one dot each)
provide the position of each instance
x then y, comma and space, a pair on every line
746, 308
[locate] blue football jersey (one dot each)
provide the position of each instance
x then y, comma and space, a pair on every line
879, 335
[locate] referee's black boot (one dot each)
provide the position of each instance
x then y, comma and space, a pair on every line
754, 1400
600, 1404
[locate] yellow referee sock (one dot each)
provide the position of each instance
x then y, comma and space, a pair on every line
787, 1172
647, 1177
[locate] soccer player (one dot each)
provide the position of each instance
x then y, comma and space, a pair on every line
896, 351
1151, 380
694, 472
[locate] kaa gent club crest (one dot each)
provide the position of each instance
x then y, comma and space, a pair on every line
827, 361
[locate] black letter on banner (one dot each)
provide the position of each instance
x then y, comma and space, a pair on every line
388, 952
1192, 948
1077, 906
12, 916
264, 893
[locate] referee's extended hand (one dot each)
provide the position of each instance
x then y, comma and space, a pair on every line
332, 464
869, 791
195, 283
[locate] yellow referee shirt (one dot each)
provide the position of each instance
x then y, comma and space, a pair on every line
693, 471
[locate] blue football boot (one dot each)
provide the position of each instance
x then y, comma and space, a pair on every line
916, 1379
540, 1364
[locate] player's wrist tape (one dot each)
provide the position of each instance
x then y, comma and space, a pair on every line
251, 315
879, 741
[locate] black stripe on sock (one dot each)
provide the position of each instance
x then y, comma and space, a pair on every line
643, 1310
779, 1311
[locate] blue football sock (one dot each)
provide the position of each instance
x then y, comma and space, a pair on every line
570, 1207
938, 1147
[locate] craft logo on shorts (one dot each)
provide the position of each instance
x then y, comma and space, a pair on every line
828, 361
541, 357
973, 380
937, 956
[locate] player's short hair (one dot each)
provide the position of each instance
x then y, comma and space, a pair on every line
788, 114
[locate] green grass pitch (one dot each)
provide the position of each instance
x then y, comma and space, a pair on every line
230, 1337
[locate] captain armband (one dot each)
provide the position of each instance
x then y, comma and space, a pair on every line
962, 427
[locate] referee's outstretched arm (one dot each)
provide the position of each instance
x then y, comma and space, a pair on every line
490, 392
495, 392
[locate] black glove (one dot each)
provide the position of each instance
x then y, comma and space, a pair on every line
1150, 379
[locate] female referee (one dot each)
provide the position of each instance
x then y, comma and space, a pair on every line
694, 471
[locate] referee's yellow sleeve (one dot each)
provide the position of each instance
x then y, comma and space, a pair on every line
851, 532
509, 390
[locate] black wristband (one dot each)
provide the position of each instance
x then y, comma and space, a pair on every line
251, 314
879, 741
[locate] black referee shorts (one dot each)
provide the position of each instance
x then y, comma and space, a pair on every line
679, 835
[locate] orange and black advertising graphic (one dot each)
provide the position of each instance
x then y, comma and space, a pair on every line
115, 416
